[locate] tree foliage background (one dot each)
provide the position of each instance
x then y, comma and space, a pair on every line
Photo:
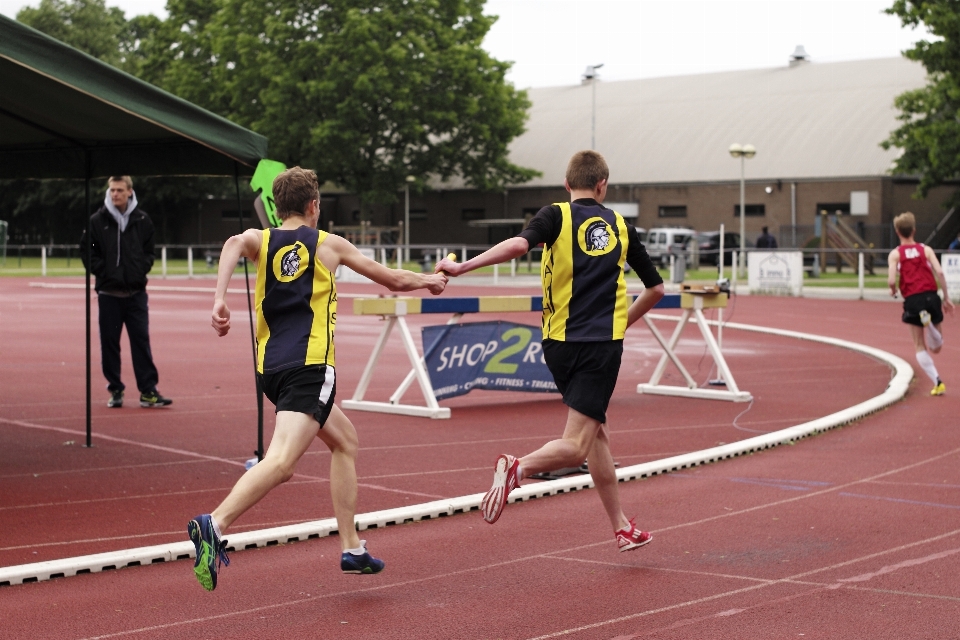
929, 134
364, 92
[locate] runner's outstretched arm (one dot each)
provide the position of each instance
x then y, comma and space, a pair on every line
393, 279
507, 250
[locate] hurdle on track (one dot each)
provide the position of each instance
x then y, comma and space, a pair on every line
394, 311
693, 302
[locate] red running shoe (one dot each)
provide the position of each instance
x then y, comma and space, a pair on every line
630, 537
504, 481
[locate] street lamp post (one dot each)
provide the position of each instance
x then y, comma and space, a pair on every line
591, 75
743, 152
406, 217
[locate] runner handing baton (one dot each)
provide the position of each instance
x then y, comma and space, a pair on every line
296, 315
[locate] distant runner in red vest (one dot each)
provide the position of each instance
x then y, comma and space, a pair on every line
919, 272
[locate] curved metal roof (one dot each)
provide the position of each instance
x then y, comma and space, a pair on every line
812, 120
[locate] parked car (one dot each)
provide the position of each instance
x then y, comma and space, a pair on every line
661, 242
708, 245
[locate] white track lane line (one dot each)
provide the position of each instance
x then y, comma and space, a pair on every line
156, 447
446, 575
787, 580
185, 452
896, 389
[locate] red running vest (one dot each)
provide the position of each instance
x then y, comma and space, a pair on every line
916, 276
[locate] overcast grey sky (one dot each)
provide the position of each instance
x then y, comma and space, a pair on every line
552, 41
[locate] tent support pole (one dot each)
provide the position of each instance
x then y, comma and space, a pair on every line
253, 340
86, 211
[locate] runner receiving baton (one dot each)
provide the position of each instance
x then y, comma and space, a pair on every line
585, 316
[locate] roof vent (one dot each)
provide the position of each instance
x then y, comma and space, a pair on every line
799, 56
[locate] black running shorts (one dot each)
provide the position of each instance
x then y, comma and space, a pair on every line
926, 301
585, 372
308, 389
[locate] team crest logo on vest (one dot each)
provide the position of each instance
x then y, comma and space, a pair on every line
595, 237
290, 262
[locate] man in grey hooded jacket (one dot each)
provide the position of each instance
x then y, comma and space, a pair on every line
121, 255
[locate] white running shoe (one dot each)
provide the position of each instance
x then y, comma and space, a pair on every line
504, 481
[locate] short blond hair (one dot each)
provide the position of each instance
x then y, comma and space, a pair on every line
905, 224
124, 179
293, 190
586, 169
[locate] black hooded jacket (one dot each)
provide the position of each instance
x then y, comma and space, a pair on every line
120, 261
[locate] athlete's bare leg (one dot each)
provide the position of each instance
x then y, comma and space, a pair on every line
604, 474
293, 435
571, 450
340, 437
916, 333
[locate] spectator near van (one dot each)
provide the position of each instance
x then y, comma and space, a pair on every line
661, 242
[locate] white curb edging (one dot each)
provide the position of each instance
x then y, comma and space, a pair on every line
896, 389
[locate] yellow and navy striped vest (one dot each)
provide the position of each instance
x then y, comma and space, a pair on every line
584, 291
296, 301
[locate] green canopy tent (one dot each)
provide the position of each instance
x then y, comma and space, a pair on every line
65, 114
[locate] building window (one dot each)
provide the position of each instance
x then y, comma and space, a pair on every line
418, 214
673, 211
472, 214
751, 210
859, 203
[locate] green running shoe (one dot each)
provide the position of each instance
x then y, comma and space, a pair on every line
211, 551
154, 399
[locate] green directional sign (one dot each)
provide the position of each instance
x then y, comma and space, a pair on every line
262, 181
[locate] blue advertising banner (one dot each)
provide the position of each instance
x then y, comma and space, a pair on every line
485, 355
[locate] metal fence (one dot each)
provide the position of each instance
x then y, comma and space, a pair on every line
203, 259
877, 236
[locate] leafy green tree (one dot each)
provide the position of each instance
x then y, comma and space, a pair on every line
87, 25
366, 93
929, 134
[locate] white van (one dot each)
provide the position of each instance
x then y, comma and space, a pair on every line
660, 242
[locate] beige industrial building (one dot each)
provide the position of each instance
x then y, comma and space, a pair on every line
817, 129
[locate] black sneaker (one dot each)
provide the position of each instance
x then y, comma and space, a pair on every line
365, 563
154, 399
116, 400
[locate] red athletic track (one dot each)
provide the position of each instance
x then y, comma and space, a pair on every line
763, 546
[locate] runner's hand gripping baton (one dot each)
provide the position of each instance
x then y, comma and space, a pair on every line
452, 257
